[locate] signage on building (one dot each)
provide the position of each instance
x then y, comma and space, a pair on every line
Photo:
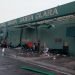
39, 15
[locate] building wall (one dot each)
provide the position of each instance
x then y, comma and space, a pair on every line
14, 36
54, 37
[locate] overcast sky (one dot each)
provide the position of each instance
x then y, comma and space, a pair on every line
11, 9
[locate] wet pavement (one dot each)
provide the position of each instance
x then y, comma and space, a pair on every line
12, 66
9, 66
63, 61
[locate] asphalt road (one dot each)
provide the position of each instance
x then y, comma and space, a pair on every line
9, 66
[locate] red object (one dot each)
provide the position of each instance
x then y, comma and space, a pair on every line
30, 44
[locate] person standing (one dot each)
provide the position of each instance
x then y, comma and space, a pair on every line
4, 45
65, 48
38, 46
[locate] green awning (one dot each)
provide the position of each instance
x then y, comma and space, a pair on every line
24, 26
45, 26
33, 26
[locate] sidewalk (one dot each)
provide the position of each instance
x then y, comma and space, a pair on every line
61, 64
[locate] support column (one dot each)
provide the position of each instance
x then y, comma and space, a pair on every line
21, 33
36, 29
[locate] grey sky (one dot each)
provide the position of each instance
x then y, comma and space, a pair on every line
11, 9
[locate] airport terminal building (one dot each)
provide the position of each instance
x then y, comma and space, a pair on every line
53, 27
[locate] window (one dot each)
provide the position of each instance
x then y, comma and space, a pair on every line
70, 31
